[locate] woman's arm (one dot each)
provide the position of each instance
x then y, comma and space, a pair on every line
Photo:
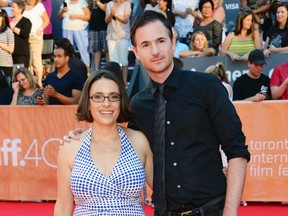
266, 51
257, 38
148, 163
24, 29
121, 18
273, 49
101, 5
8, 48
216, 35
225, 48
64, 203
45, 23
15, 87
187, 53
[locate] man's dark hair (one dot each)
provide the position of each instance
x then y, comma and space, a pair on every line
65, 44
148, 17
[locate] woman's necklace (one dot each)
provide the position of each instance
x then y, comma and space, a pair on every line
108, 151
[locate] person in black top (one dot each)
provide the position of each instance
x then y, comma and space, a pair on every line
199, 117
98, 31
253, 86
6, 91
21, 27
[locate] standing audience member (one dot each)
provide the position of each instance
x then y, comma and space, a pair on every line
150, 5
261, 8
64, 85
219, 12
277, 37
6, 46
98, 31
199, 46
6, 92
25, 88
184, 12
105, 171
210, 27
36, 13
47, 32
188, 177
279, 82
75, 15
219, 71
118, 32
245, 38
253, 86
166, 8
21, 27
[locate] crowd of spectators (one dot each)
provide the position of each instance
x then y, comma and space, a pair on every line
100, 27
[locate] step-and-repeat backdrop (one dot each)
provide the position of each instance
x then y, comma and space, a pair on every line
30, 135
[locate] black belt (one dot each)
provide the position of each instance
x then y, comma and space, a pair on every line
207, 209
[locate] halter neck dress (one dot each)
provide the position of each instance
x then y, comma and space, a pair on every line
117, 194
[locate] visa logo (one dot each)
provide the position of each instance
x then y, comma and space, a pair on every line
234, 6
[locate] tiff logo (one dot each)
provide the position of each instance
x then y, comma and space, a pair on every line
10, 147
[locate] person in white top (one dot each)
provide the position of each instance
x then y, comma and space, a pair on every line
118, 33
36, 13
75, 15
183, 11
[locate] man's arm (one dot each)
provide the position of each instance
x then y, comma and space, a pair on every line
235, 184
51, 92
278, 91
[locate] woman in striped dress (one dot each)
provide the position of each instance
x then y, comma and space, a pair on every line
245, 38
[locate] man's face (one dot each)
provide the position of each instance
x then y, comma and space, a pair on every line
255, 69
154, 48
60, 59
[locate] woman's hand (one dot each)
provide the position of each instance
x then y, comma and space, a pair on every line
234, 57
15, 87
245, 57
266, 53
272, 49
39, 32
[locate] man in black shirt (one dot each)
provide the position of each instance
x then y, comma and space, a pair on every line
199, 117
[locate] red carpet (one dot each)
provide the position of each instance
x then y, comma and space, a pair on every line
46, 209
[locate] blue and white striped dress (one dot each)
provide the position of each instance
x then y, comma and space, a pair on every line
118, 194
